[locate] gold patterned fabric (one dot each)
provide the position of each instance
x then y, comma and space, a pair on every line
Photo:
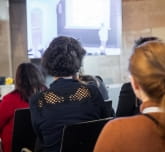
80, 94
50, 97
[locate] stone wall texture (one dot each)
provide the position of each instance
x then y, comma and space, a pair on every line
140, 18
5, 51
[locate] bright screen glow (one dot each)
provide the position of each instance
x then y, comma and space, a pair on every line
87, 13
96, 23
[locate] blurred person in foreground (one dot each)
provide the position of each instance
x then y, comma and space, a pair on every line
129, 104
28, 81
144, 132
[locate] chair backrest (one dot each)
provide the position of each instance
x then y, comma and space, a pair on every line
23, 135
109, 109
82, 137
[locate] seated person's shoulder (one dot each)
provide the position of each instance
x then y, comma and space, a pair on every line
127, 89
126, 85
36, 97
11, 95
133, 121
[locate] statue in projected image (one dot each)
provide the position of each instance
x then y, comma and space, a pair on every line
103, 36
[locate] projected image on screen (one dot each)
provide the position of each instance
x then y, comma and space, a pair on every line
80, 14
96, 23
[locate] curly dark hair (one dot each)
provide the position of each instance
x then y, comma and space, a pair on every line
63, 57
28, 80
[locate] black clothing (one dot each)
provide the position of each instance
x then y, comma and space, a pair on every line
128, 104
66, 102
102, 88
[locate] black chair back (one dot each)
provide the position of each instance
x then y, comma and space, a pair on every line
23, 135
82, 137
109, 109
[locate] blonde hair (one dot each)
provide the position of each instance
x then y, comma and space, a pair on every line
147, 66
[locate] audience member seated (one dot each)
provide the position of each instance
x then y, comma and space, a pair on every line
128, 103
28, 81
98, 82
67, 101
144, 132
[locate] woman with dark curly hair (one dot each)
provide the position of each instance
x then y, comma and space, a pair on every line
67, 101
28, 81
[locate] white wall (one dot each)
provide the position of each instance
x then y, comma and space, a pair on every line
108, 67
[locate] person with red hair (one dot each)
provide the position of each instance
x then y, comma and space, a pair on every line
144, 132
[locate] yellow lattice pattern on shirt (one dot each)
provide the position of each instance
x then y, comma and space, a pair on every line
80, 94
40, 103
52, 98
